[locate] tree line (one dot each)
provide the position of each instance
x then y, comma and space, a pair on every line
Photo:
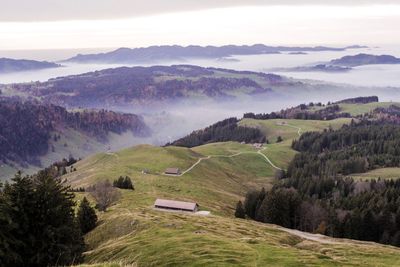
312, 111
27, 127
226, 130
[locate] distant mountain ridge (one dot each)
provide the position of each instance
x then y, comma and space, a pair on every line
14, 65
174, 52
365, 59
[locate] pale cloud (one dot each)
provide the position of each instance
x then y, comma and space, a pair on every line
51, 10
234, 25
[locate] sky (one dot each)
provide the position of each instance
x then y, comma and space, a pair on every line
66, 24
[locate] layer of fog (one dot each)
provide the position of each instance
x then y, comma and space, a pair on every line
373, 75
179, 119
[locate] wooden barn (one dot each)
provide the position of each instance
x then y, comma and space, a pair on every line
176, 205
173, 171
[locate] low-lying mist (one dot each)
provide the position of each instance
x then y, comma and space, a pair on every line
172, 121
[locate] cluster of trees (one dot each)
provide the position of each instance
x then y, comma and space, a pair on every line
124, 183
355, 148
366, 210
125, 85
389, 114
62, 167
303, 112
318, 195
226, 130
38, 222
359, 100
26, 127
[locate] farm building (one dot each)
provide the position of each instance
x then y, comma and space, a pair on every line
173, 171
176, 205
258, 145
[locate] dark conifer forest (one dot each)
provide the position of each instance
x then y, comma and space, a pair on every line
312, 111
26, 127
319, 194
226, 130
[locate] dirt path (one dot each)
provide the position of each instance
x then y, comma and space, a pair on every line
226, 156
267, 159
313, 237
298, 128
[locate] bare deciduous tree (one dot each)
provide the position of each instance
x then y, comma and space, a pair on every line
105, 194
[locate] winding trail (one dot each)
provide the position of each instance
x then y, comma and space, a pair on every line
292, 126
267, 159
312, 237
259, 152
226, 156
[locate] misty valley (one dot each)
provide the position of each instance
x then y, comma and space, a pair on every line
235, 155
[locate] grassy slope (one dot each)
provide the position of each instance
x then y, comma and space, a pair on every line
131, 232
359, 109
384, 173
274, 128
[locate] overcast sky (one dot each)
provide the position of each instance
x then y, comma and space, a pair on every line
36, 24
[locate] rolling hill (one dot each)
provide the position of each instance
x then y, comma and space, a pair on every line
131, 232
365, 59
13, 65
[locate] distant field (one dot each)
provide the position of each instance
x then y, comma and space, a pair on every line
359, 109
281, 127
383, 173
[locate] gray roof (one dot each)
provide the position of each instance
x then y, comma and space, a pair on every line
172, 170
175, 204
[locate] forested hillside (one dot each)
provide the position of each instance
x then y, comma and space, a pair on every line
226, 130
359, 100
26, 127
312, 111
141, 85
319, 194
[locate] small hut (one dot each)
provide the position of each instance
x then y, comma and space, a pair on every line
176, 205
173, 171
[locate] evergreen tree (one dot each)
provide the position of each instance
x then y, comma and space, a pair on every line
40, 210
87, 217
240, 213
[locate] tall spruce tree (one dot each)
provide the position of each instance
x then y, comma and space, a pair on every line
41, 211
87, 217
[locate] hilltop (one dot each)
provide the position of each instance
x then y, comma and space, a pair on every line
14, 65
145, 85
365, 59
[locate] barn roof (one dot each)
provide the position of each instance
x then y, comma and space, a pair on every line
172, 170
175, 204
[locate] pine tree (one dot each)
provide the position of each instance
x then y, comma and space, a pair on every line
41, 213
87, 217
58, 236
127, 184
240, 213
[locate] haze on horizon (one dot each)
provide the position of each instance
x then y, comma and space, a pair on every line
67, 24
